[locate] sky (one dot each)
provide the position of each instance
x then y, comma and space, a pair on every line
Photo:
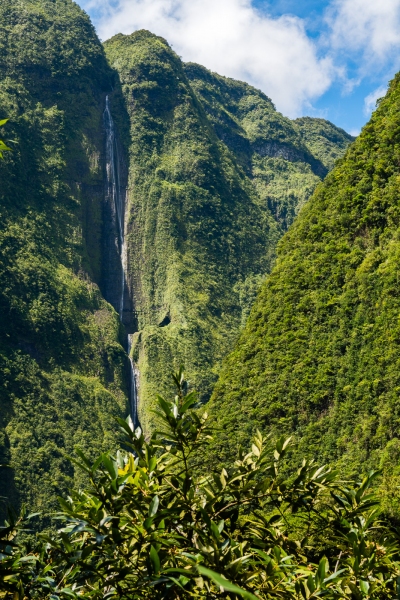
330, 59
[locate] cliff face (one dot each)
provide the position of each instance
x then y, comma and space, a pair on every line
62, 367
216, 175
319, 355
195, 227
284, 159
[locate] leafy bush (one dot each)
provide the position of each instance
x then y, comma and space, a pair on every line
151, 525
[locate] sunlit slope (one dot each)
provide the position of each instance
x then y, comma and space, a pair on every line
197, 233
320, 354
61, 365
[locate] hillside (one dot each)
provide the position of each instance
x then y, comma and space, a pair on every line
209, 195
319, 356
62, 367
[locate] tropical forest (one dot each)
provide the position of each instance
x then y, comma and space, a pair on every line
199, 329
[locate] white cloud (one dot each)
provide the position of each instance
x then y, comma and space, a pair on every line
370, 100
232, 38
371, 27
358, 38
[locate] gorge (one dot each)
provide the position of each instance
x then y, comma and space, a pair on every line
140, 211
115, 197
199, 329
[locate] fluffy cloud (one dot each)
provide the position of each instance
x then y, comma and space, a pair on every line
370, 100
368, 26
232, 38
357, 38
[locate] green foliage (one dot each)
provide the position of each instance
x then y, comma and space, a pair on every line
201, 230
327, 142
3, 145
195, 227
320, 353
150, 527
62, 369
216, 174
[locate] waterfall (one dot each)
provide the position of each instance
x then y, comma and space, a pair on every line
117, 199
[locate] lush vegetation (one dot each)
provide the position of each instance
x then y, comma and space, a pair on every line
211, 166
204, 217
62, 374
326, 142
284, 159
150, 527
3, 145
320, 353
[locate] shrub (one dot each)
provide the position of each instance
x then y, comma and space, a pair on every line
152, 525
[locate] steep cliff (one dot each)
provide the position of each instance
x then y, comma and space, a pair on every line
195, 226
215, 176
63, 370
319, 355
284, 159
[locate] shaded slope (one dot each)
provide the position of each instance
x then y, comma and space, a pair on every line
325, 141
285, 159
320, 354
61, 365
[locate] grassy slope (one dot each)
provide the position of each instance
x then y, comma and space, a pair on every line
320, 353
61, 365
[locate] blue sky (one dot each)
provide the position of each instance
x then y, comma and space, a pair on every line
321, 58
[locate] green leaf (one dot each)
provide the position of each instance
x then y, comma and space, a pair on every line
189, 401
111, 466
155, 560
166, 406
364, 586
225, 584
322, 568
153, 508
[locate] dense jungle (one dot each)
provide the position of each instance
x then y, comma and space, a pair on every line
199, 329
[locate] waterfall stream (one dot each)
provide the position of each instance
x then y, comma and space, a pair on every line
117, 200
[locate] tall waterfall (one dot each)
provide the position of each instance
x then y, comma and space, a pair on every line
117, 199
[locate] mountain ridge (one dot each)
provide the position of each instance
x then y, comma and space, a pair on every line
318, 357
201, 288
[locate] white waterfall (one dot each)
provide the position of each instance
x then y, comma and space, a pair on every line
118, 201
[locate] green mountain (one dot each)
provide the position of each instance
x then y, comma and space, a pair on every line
137, 185
216, 175
319, 356
62, 367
